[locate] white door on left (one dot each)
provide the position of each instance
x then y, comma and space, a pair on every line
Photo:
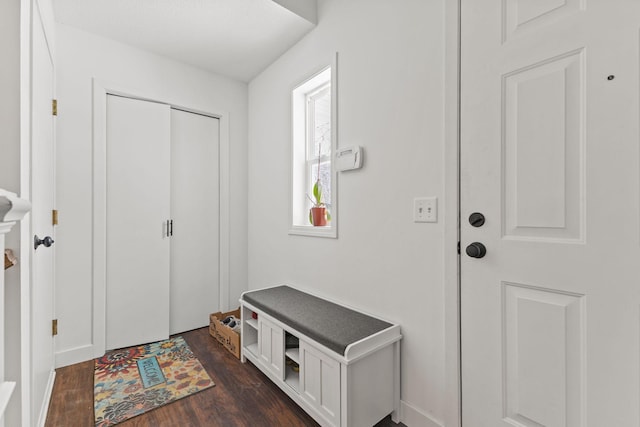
42, 198
137, 208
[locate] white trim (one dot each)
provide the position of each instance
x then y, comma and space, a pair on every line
224, 233
23, 398
6, 390
310, 230
100, 91
331, 230
452, 416
44, 409
334, 145
99, 219
397, 389
74, 355
26, 262
47, 21
412, 416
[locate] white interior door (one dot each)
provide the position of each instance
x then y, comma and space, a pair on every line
549, 155
42, 198
195, 213
137, 204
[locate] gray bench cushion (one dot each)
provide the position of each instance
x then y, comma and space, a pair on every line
329, 324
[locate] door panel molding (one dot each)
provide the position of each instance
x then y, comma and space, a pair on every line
543, 373
543, 150
520, 17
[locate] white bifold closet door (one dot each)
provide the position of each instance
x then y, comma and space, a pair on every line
138, 206
195, 211
162, 166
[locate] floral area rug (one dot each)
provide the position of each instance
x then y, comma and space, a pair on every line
135, 380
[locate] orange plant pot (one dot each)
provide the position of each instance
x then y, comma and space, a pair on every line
318, 216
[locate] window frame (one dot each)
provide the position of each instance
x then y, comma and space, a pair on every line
302, 163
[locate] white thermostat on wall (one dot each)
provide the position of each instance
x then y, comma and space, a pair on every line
349, 158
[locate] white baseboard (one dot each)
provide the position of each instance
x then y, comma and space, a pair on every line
44, 409
74, 355
413, 417
6, 390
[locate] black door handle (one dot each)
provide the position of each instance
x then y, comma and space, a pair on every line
476, 250
47, 241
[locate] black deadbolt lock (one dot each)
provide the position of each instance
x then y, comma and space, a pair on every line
476, 219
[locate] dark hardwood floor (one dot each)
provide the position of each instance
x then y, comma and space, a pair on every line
242, 396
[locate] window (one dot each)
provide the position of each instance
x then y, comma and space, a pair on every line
319, 142
313, 182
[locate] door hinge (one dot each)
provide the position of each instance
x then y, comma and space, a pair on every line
54, 217
54, 107
54, 327
458, 248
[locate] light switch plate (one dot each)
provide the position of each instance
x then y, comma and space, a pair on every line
425, 209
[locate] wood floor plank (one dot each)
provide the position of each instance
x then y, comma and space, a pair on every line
242, 396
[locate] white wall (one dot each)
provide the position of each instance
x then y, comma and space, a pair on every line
10, 92
81, 57
391, 73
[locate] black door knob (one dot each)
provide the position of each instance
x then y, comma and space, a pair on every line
476, 219
47, 241
476, 250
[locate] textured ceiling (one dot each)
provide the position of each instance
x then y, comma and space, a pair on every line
235, 38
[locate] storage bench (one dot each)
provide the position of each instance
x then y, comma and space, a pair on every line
340, 365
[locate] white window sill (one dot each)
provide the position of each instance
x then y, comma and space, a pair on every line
310, 230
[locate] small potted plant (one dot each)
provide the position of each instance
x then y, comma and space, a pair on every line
318, 214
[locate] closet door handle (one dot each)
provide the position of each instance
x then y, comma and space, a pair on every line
171, 232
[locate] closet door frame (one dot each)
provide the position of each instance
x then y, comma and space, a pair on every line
101, 89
